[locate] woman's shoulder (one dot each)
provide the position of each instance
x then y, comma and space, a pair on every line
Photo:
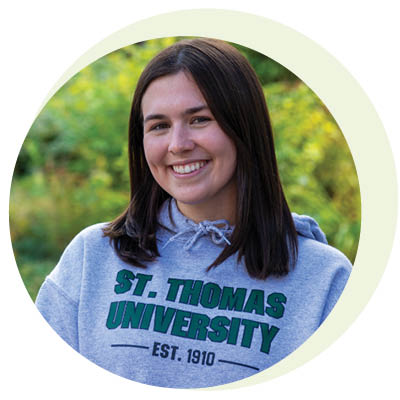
92, 232
86, 247
314, 252
89, 237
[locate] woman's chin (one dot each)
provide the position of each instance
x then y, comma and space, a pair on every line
189, 200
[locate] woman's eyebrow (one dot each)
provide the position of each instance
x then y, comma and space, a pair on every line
193, 110
154, 116
188, 111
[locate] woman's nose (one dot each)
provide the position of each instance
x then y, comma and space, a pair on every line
180, 140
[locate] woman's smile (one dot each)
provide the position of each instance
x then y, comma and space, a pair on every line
189, 168
188, 153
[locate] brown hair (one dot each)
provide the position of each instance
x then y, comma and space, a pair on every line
264, 234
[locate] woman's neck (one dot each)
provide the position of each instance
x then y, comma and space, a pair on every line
202, 212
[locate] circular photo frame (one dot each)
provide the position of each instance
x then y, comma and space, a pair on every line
351, 110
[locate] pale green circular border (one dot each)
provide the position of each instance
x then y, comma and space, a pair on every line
351, 109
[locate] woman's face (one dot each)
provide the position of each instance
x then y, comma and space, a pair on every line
188, 153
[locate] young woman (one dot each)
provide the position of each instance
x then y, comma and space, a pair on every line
206, 278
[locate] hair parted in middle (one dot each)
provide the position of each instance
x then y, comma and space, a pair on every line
264, 235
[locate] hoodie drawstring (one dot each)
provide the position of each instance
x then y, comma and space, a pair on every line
218, 234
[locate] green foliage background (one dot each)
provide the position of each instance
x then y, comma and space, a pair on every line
72, 170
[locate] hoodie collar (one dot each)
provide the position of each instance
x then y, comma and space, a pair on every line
219, 231
170, 217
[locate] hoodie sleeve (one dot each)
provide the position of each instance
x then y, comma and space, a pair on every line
336, 288
58, 297
59, 311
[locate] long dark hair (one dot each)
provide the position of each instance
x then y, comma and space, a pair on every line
264, 234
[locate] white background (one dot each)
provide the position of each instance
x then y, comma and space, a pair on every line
40, 40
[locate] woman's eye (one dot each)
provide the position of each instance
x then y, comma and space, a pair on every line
200, 120
159, 127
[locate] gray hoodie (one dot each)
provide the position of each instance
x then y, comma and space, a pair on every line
174, 324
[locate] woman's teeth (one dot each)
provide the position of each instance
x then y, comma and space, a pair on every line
188, 168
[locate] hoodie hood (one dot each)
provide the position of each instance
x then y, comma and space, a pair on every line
220, 231
308, 227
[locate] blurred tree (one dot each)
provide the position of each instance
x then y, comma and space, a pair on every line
266, 68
